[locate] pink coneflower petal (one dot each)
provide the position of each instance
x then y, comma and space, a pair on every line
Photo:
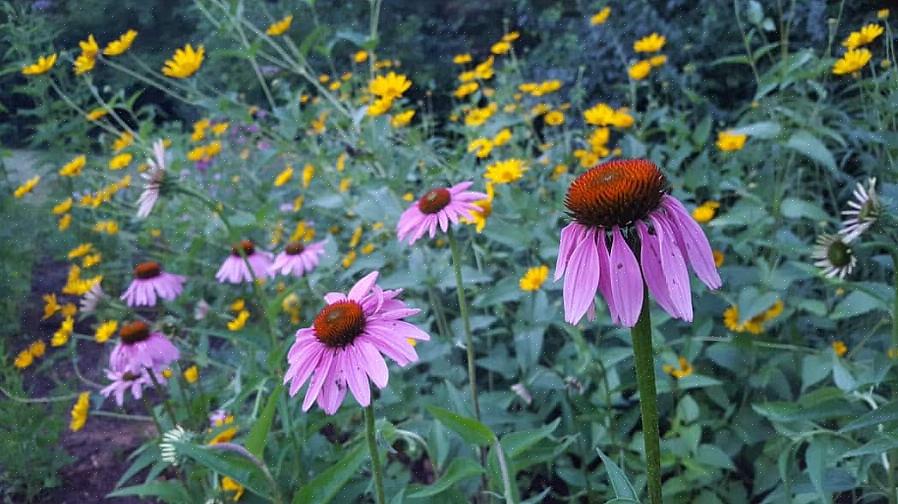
691, 238
570, 237
650, 258
354, 371
322, 370
674, 268
363, 286
605, 277
582, 279
437, 210
375, 366
626, 280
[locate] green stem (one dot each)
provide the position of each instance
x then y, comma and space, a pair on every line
161, 392
463, 311
376, 469
648, 400
895, 306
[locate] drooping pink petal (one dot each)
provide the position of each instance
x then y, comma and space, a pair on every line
373, 362
650, 260
356, 377
581, 279
321, 374
605, 276
570, 237
626, 280
691, 237
675, 274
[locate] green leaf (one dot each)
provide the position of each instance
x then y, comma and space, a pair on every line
236, 466
794, 208
621, 485
885, 413
815, 457
469, 429
713, 456
764, 130
806, 143
516, 444
326, 485
258, 435
459, 469
856, 303
875, 446
168, 491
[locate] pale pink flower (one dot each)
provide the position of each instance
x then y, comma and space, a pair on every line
151, 281
235, 268
140, 349
124, 381
438, 208
298, 259
153, 180
342, 349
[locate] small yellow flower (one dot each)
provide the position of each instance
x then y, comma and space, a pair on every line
69, 310
682, 370
63, 206
124, 140
41, 66
559, 171
600, 17
390, 86
479, 115
461, 59
892, 352
465, 89
345, 184
107, 226
505, 172
229, 485
27, 187
89, 47
61, 336
120, 45
192, 374
511, 36
224, 436
402, 119
284, 176
379, 107
839, 348
502, 137
184, 63
775, 310
408, 197
500, 47
38, 348
467, 76
728, 141
239, 322
360, 56
64, 222
882, 14
120, 161
238, 305
367, 248
718, 258
650, 43
356, 237
79, 412
705, 212
554, 118
658, 60
335, 85
23, 359
481, 146
105, 331
167, 373
534, 278
83, 64
73, 167
480, 216
51, 306
864, 36
279, 28
852, 61
308, 171
348, 259
540, 109
80, 250
484, 71
639, 70
199, 130
220, 128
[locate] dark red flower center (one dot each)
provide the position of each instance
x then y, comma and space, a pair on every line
616, 193
135, 332
338, 324
149, 269
248, 247
435, 200
295, 248
129, 376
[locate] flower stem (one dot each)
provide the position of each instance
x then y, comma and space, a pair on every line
376, 469
463, 311
648, 400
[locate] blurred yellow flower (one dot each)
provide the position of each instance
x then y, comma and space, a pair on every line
639, 70
308, 171
558, 171
63, 206
38, 348
105, 331
705, 212
600, 17
852, 61
121, 44
534, 278
345, 184
479, 217
356, 237
64, 222
95, 114
123, 141
89, 47
367, 249
379, 106
184, 63
882, 13
192, 374
484, 71
41, 66
83, 64
224, 436
839, 348
718, 258
502, 137
501, 47
482, 146
284, 176
505, 172
69, 310
120, 161
599, 114
348, 259
477, 116
279, 28
650, 43
231, 486
461, 59
864, 36
402, 119
199, 130
106, 226
465, 89
51, 306
237, 305
79, 412
682, 370
511, 36
408, 197
467, 76
23, 359
658, 60
360, 56
61, 336
27, 187
220, 128
390, 86
728, 141
554, 118
239, 322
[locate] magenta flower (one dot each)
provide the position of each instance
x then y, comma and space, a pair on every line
123, 381
342, 349
629, 198
150, 281
297, 259
141, 349
235, 270
438, 207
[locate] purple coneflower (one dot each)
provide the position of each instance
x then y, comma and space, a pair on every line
438, 207
154, 179
235, 269
150, 281
862, 213
140, 349
123, 381
342, 349
297, 259
629, 198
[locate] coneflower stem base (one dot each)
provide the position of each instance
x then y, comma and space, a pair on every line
463, 312
376, 469
648, 400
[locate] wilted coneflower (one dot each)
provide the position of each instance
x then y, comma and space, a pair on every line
154, 180
437, 208
834, 256
629, 199
342, 349
862, 213
123, 381
140, 348
91, 299
236, 270
297, 259
149, 282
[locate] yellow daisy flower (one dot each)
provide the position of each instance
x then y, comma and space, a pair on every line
279, 28
534, 278
184, 63
121, 44
41, 66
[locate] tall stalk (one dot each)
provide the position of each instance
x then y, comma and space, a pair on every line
463, 310
648, 399
376, 469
